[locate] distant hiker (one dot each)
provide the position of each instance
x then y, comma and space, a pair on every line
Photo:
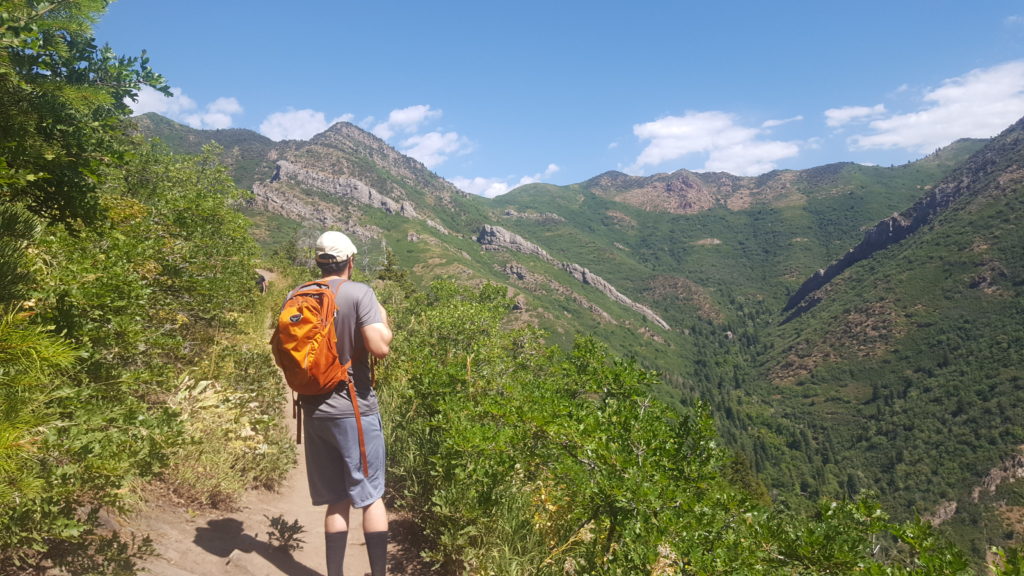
345, 441
261, 283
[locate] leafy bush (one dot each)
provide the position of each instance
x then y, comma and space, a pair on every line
122, 267
518, 459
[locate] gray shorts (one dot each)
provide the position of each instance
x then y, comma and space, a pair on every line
333, 468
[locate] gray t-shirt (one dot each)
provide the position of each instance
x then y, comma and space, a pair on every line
357, 307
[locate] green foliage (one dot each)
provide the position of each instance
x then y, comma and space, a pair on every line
234, 435
136, 269
31, 358
18, 229
66, 452
284, 535
243, 152
1010, 562
162, 286
63, 102
170, 267
521, 459
908, 372
905, 378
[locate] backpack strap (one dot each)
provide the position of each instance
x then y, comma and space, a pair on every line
359, 428
354, 397
297, 414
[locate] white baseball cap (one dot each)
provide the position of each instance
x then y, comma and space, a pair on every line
334, 246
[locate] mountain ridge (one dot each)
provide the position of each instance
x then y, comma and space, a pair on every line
899, 226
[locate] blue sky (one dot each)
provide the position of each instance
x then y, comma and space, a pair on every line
491, 95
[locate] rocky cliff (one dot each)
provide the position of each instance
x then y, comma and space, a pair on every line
497, 238
346, 162
342, 187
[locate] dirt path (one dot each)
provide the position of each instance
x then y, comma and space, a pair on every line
193, 543
235, 543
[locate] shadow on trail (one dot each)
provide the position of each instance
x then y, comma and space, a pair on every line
224, 536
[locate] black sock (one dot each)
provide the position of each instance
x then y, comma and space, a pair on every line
336, 543
377, 549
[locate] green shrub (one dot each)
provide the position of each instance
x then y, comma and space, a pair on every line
520, 459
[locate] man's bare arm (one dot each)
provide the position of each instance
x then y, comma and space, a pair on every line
377, 337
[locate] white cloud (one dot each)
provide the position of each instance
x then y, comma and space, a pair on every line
774, 123
405, 120
547, 173
225, 106
979, 104
749, 158
180, 108
487, 187
836, 117
150, 100
728, 145
298, 124
433, 148
217, 115
491, 187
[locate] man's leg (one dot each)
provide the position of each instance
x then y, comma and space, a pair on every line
336, 536
375, 531
375, 517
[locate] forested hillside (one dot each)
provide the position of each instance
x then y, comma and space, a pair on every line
904, 378
907, 373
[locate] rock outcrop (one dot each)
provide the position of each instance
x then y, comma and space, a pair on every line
681, 192
497, 238
884, 234
343, 187
1010, 470
273, 196
545, 217
685, 192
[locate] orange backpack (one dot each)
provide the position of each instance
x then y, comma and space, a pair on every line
305, 345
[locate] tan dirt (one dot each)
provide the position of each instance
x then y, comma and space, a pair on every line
235, 543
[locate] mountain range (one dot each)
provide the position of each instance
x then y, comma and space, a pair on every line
851, 328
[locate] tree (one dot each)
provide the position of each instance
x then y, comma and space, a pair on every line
62, 100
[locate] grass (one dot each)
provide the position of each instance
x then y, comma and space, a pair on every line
231, 407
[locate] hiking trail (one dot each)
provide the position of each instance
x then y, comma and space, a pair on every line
234, 542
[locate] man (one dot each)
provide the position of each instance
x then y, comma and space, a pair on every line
334, 465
